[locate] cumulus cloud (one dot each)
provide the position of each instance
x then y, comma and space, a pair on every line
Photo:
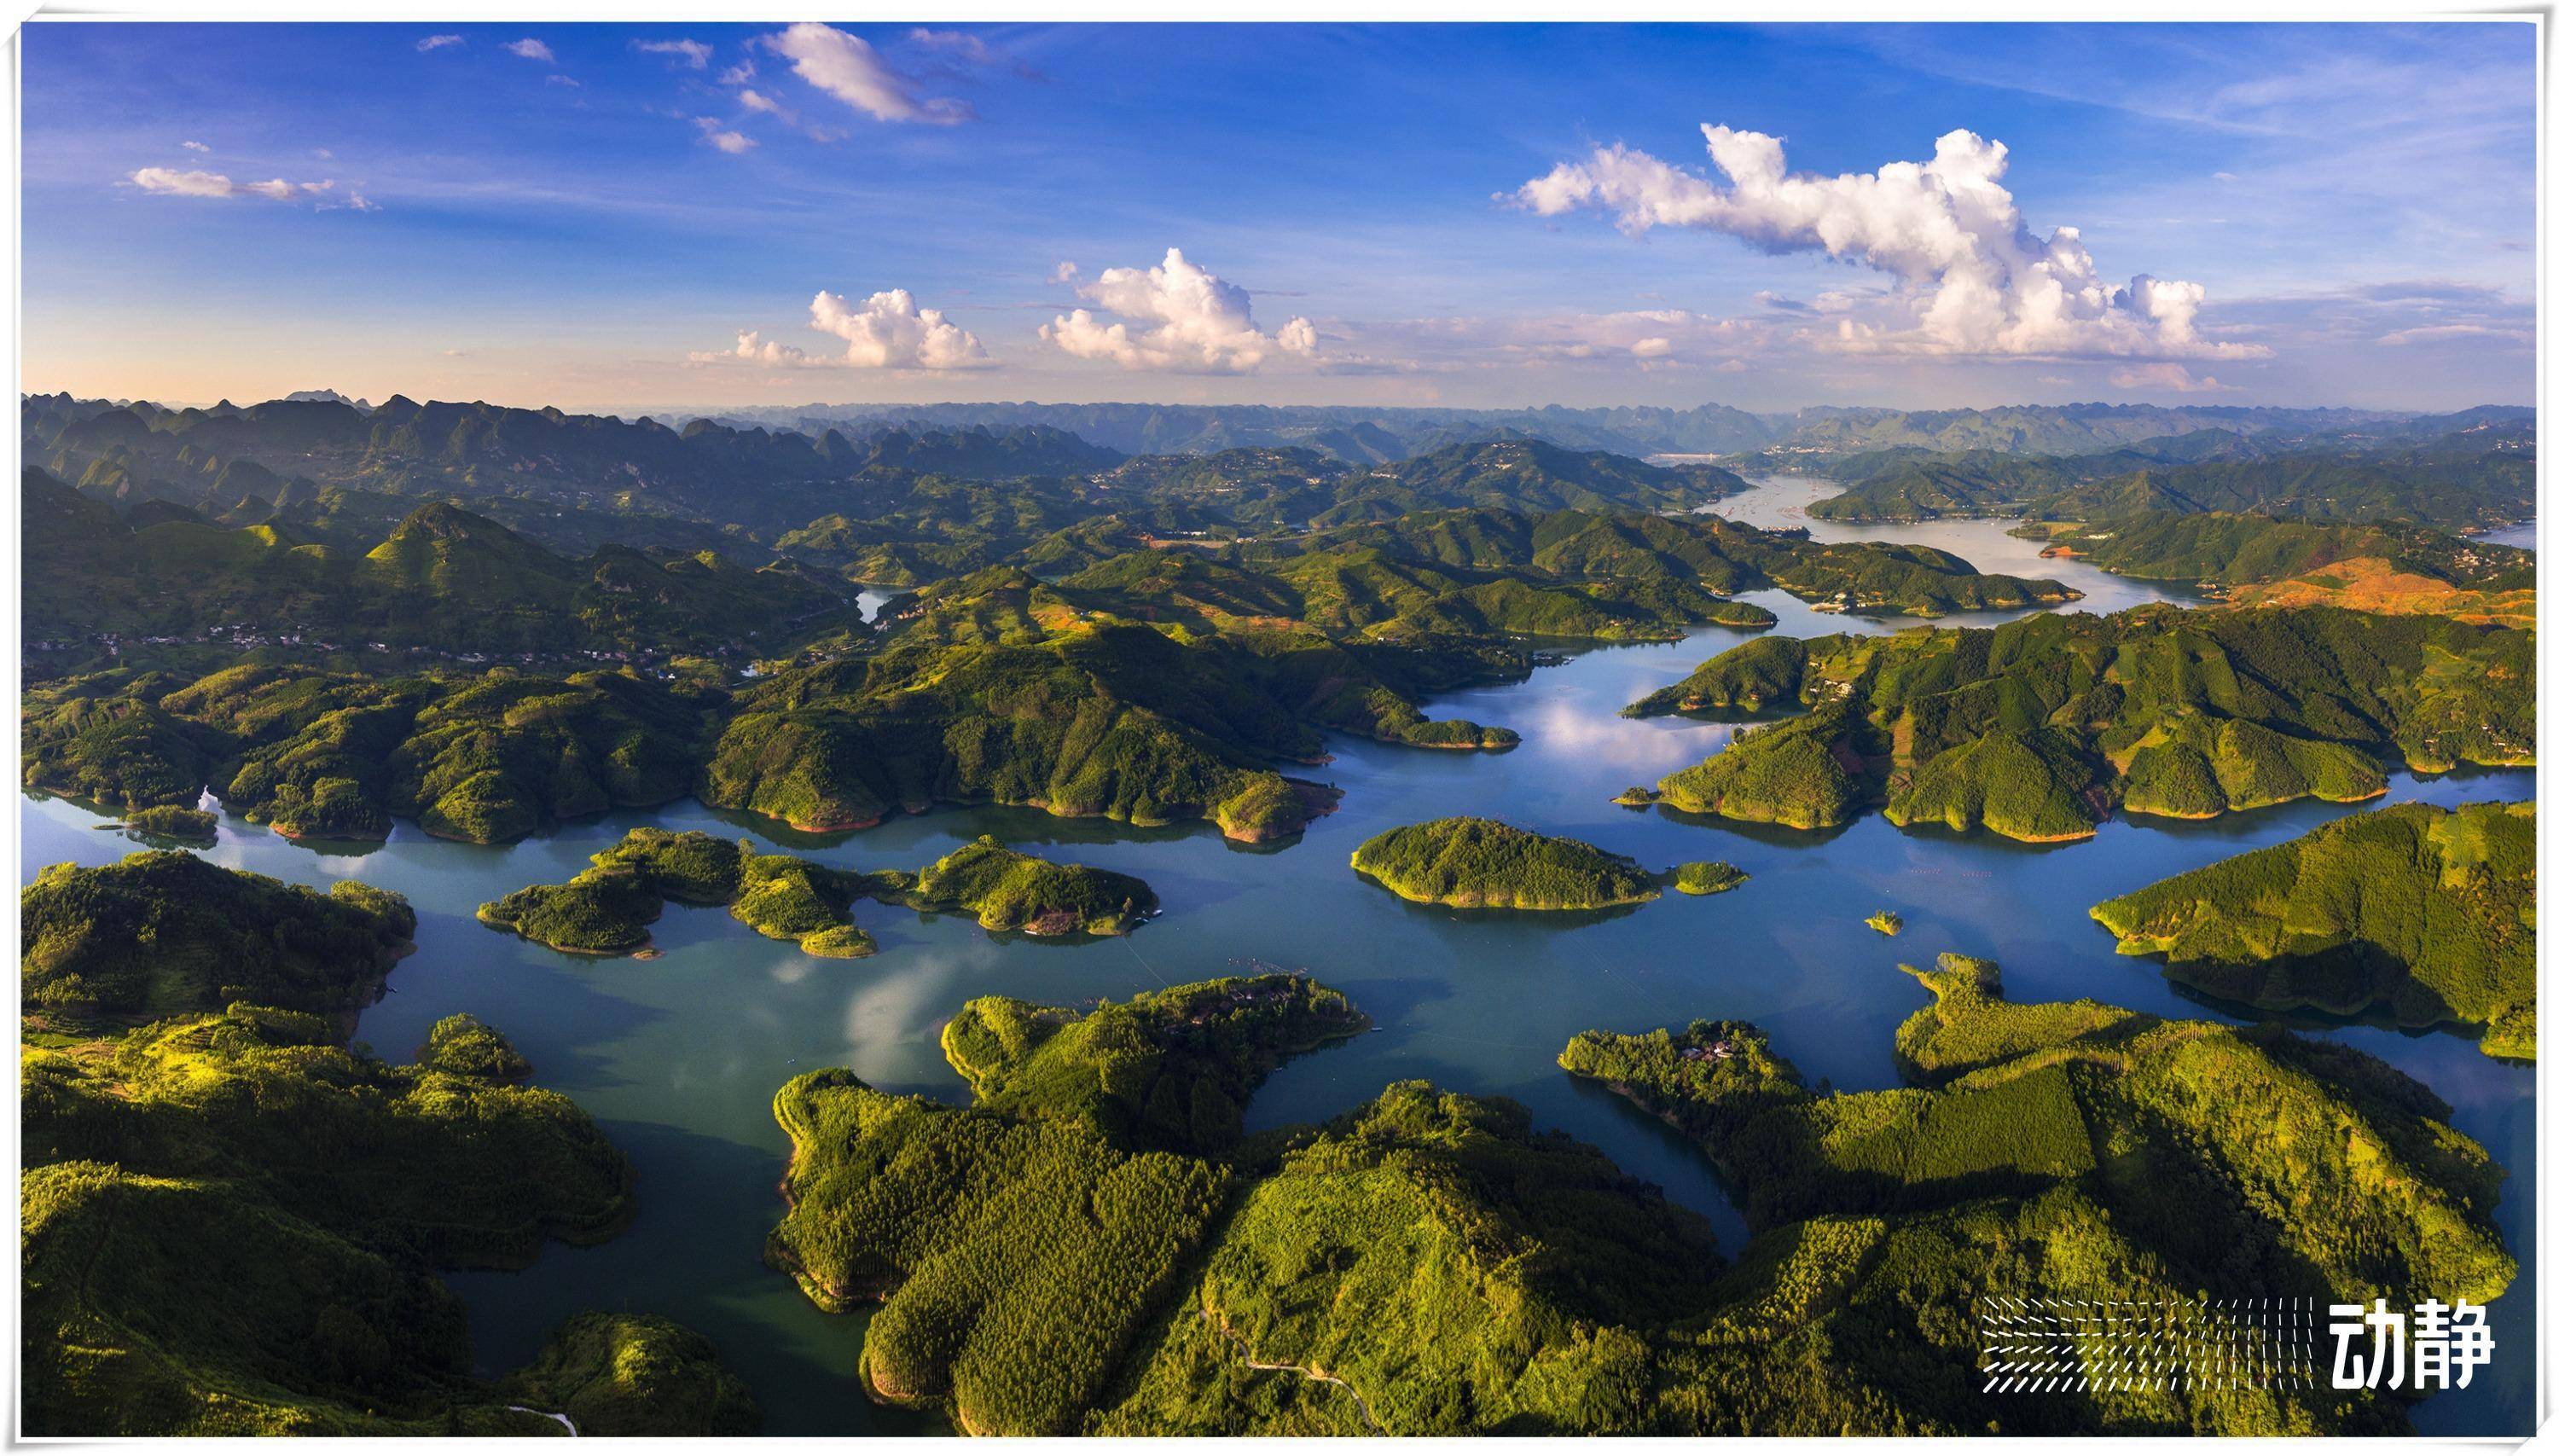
438, 43
693, 53
738, 74
731, 142
1656, 346
169, 181
1970, 277
195, 146
530, 49
2167, 376
886, 331
1173, 316
846, 68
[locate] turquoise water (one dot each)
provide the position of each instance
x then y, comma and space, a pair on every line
679, 1057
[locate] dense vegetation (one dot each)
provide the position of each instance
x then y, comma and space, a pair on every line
2050, 1152
1480, 863
443, 578
1008, 889
162, 932
2036, 729
230, 1220
2235, 550
634, 1374
1018, 1246
335, 755
1094, 1245
607, 910
1706, 877
171, 821
2453, 483
2424, 912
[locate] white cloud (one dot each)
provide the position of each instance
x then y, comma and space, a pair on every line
693, 54
1174, 316
1655, 346
844, 66
438, 43
195, 146
1970, 278
967, 47
168, 182
885, 331
2447, 333
557, 79
2165, 375
738, 74
530, 49
755, 100
731, 142
1732, 367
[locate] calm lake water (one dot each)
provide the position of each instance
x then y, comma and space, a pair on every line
679, 1057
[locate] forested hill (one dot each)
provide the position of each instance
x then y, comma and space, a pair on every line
2241, 549
2456, 483
443, 578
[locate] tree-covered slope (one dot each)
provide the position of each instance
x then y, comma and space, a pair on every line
1018, 1246
1094, 1245
1480, 863
2235, 549
2035, 729
2435, 484
2424, 912
162, 932
443, 578
230, 1220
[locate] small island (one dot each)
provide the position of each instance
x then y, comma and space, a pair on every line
1884, 923
1010, 891
170, 821
1706, 877
1480, 863
607, 910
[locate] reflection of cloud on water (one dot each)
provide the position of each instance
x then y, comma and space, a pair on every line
1594, 739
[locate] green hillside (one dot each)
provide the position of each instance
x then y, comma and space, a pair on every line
2421, 911
1477, 863
2039, 728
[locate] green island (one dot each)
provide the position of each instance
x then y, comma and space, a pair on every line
171, 821
1706, 877
1480, 863
2039, 728
1884, 923
1096, 1246
2424, 913
607, 910
232, 1220
162, 932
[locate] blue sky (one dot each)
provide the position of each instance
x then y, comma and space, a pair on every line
592, 216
